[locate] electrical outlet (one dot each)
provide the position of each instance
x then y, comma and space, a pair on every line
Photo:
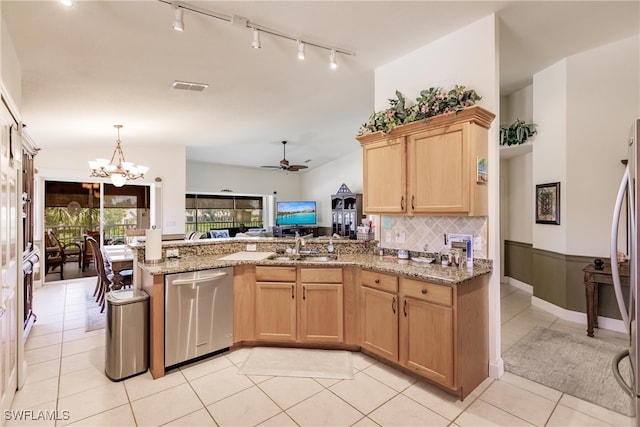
251, 247
173, 253
400, 237
387, 236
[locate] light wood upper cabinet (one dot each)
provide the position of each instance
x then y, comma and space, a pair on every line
428, 168
384, 165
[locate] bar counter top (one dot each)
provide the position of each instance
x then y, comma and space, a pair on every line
450, 275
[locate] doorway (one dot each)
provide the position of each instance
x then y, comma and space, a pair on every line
73, 210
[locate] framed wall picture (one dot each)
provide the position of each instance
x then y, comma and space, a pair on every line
548, 203
482, 173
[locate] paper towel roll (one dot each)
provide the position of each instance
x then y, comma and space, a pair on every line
153, 245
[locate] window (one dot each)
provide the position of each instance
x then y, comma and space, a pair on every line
205, 212
72, 208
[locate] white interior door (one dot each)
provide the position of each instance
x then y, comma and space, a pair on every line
10, 257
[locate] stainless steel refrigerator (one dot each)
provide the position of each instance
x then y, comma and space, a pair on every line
628, 308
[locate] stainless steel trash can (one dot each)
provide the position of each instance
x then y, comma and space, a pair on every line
127, 334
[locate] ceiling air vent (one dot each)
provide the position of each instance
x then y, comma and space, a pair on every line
194, 87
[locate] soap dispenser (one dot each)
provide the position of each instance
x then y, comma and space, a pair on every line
330, 247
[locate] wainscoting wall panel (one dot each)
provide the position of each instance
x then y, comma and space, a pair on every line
556, 278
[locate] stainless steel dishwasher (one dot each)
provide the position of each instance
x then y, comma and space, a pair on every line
198, 314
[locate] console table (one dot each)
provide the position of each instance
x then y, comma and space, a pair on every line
592, 278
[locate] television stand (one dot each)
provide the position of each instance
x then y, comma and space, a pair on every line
290, 231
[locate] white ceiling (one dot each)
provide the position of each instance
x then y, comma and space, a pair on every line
99, 63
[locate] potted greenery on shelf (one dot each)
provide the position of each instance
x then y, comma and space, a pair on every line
431, 102
517, 133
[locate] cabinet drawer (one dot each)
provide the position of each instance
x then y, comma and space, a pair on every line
380, 281
275, 274
426, 291
321, 275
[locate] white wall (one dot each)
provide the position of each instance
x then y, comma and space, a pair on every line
518, 175
518, 105
213, 178
320, 183
584, 106
164, 162
10, 70
550, 151
602, 98
468, 57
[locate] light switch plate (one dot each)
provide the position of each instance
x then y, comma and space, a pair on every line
251, 247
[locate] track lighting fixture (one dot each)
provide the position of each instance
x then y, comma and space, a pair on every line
256, 39
244, 23
178, 19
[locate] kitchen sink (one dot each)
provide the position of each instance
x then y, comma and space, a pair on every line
319, 258
304, 258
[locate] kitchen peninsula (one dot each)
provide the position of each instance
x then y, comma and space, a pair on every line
425, 319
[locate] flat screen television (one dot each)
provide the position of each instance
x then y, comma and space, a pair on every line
296, 213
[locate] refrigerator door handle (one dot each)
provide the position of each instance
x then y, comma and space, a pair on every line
615, 272
615, 366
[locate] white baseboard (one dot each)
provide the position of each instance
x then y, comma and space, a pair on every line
577, 317
569, 315
520, 285
496, 368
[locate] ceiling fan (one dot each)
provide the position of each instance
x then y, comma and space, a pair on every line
284, 163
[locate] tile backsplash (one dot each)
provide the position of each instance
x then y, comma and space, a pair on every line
426, 233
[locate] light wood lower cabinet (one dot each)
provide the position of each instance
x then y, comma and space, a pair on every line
321, 313
304, 307
379, 312
437, 331
426, 336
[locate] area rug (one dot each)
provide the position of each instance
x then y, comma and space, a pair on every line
94, 319
298, 362
579, 366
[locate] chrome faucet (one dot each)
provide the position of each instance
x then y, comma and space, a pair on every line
298, 243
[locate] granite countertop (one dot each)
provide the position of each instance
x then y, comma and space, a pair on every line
432, 272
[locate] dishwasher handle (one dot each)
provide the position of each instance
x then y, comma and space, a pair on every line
195, 280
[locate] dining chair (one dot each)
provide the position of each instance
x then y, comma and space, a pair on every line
57, 254
105, 275
87, 251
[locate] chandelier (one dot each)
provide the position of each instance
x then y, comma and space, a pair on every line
121, 170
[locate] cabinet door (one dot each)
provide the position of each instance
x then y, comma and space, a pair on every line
426, 340
380, 323
276, 311
384, 180
439, 171
321, 314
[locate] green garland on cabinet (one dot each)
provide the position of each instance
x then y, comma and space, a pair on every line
431, 102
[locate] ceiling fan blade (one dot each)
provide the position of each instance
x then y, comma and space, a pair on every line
296, 168
271, 167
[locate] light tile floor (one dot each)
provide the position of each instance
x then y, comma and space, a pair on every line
66, 364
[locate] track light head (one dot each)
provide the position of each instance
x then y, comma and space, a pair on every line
332, 60
300, 50
256, 39
178, 18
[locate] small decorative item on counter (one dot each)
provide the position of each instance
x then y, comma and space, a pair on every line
403, 254
598, 264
